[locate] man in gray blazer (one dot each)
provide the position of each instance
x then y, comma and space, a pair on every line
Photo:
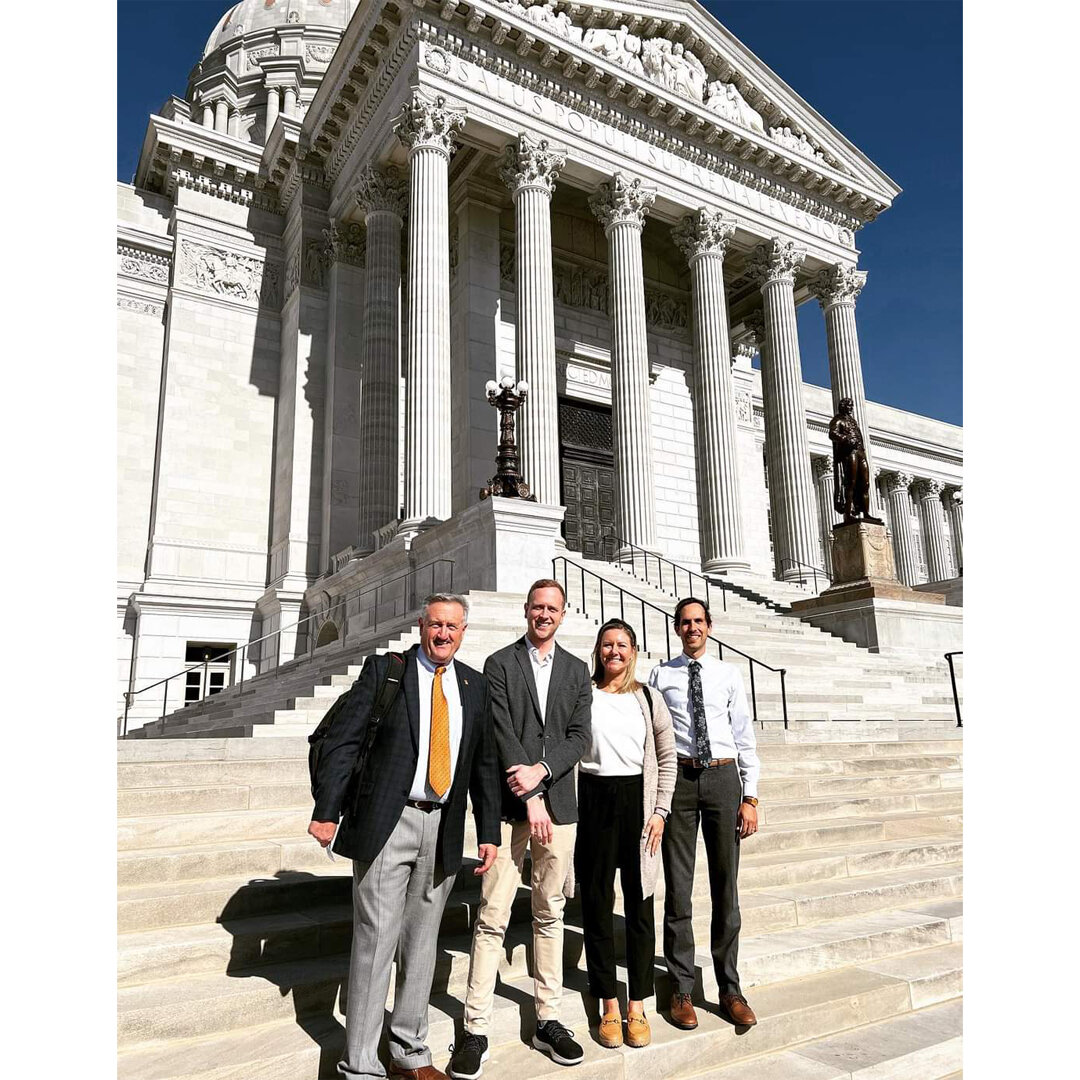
541, 704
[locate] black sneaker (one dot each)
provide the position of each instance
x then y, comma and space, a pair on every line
467, 1061
554, 1039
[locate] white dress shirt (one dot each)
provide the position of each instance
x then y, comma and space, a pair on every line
541, 669
727, 716
425, 671
618, 736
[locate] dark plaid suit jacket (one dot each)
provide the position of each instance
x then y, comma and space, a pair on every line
370, 817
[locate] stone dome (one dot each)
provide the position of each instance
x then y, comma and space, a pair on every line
251, 15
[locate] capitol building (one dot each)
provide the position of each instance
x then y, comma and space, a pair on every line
361, 212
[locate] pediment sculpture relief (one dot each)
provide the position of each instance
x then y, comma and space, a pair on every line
667, 63
799, 143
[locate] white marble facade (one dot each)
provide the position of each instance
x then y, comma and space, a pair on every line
363, 210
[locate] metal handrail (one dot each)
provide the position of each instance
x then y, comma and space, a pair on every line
668, 620
952, 675
661, 562
815, 570
130, 695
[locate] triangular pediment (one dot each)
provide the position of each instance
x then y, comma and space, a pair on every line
643, 52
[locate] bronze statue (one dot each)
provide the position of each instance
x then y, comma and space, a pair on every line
851, 470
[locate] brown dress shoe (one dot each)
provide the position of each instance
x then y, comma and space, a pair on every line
637, 1030
610, 1031
735, 1008
425, 1072
682, 1012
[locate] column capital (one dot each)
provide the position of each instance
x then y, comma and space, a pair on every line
775, 261
897, 481
822, 467
424, 122
925, 488
382, 189
346, 241
755, 323
954, 494
839, 284
703, 232
621, 201
531, 164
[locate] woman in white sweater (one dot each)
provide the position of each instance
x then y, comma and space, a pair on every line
625, 782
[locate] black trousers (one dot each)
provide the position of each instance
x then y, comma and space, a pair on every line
711, 796
610, 825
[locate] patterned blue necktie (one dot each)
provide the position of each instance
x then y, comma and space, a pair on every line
702, 750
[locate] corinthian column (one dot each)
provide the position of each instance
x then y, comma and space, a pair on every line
932, 520
837, 288
381, 194
426, 128
703, 237
620, 206
825, 483
787, 451
907, 559
529, 171
954, 502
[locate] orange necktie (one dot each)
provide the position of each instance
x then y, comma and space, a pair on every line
439, 747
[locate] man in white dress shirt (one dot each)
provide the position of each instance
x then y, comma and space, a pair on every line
716, 783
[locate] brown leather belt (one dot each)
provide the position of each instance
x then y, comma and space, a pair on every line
697, 763
423, 805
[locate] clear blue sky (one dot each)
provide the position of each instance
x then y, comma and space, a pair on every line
887, 73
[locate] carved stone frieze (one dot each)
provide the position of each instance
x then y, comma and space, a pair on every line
543, 14
347, 242
531, 164
310, 264
258, 54
425, 122
321, 54
143, 307
744, 407
775, 261
220, 272
383, 189
147, 265
621, 201
839, 284
704, 232
455, 248
586, 287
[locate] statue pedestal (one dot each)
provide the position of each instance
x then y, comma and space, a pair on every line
868, 606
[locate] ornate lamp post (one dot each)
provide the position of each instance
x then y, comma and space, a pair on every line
507, 481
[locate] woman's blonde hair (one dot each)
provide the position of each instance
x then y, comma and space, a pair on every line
627, 682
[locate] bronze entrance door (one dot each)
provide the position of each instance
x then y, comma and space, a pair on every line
588, 477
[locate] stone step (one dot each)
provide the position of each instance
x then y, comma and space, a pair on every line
150, 801
814, 809
181, 774
922, 1045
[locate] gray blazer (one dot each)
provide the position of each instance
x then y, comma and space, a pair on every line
522, 738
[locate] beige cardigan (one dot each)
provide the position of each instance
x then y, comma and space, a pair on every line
659, 774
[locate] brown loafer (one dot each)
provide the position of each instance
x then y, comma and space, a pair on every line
682, 1012
638, 1032
425, 1072
736, 1009
610, 1031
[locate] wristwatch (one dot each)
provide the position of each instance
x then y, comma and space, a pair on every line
750, 799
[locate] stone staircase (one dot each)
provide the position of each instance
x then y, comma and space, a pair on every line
827, 679
235, 927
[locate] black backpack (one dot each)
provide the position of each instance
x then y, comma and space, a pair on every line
388, 692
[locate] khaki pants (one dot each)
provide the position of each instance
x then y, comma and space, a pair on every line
550, 865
